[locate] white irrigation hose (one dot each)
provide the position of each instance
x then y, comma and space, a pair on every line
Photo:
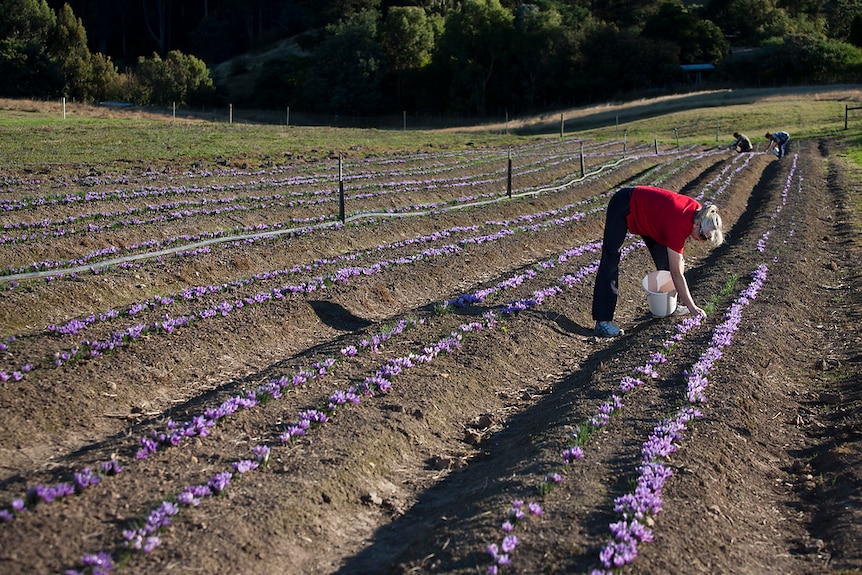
274, 233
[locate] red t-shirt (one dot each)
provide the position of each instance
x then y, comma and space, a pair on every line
665, 216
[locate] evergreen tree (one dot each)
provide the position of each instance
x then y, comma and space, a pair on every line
68, 47
699, 41
407, 37
473, 50
541, 55
749, 22
346, 75
26, 66
615, 62
177, 78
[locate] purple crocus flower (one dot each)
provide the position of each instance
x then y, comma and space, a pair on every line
573, 453
111, 467
101, 559
261, 452
220, 481
245, 465
509, 543
151, 543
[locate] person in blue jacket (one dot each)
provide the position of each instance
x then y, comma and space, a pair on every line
778, 143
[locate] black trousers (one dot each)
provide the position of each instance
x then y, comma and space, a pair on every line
606, 289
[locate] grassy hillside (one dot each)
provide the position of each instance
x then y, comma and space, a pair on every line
31, 132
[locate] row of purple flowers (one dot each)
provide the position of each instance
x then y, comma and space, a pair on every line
200, 425
192, 208
151, 184
166, 324
636, 509
380, 384
607, 408
145, 537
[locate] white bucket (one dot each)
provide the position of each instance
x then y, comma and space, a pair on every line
661, 294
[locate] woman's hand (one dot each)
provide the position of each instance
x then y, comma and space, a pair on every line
677, 269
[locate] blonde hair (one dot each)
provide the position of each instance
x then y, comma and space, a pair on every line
711, 226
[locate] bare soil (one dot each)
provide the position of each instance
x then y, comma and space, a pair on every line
420, 478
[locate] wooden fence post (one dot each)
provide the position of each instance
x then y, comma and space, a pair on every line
583, 167
847, 109
341, 212
509, 176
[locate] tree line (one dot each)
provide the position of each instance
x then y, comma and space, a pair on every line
465, 57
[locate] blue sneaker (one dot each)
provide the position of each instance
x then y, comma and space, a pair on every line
607, 329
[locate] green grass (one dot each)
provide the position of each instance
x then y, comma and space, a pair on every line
40, 141
853, 156
35, 138
854, 148
802, 119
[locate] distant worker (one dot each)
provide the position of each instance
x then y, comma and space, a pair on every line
778, 143
741, 144
665, 220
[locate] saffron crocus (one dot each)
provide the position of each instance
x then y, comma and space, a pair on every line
100, 559
134, 539
494, 551
245, 465
509, 544
188, 498
111, 467
572, 453
85, 478
261, 452
629, 383
516, 512
151, 543
220, 481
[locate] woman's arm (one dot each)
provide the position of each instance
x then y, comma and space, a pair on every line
677, 267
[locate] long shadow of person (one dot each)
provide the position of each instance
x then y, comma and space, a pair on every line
337, 317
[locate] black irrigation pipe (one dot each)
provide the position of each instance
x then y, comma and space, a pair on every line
275, 233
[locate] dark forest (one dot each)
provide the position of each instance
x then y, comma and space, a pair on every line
465, 57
